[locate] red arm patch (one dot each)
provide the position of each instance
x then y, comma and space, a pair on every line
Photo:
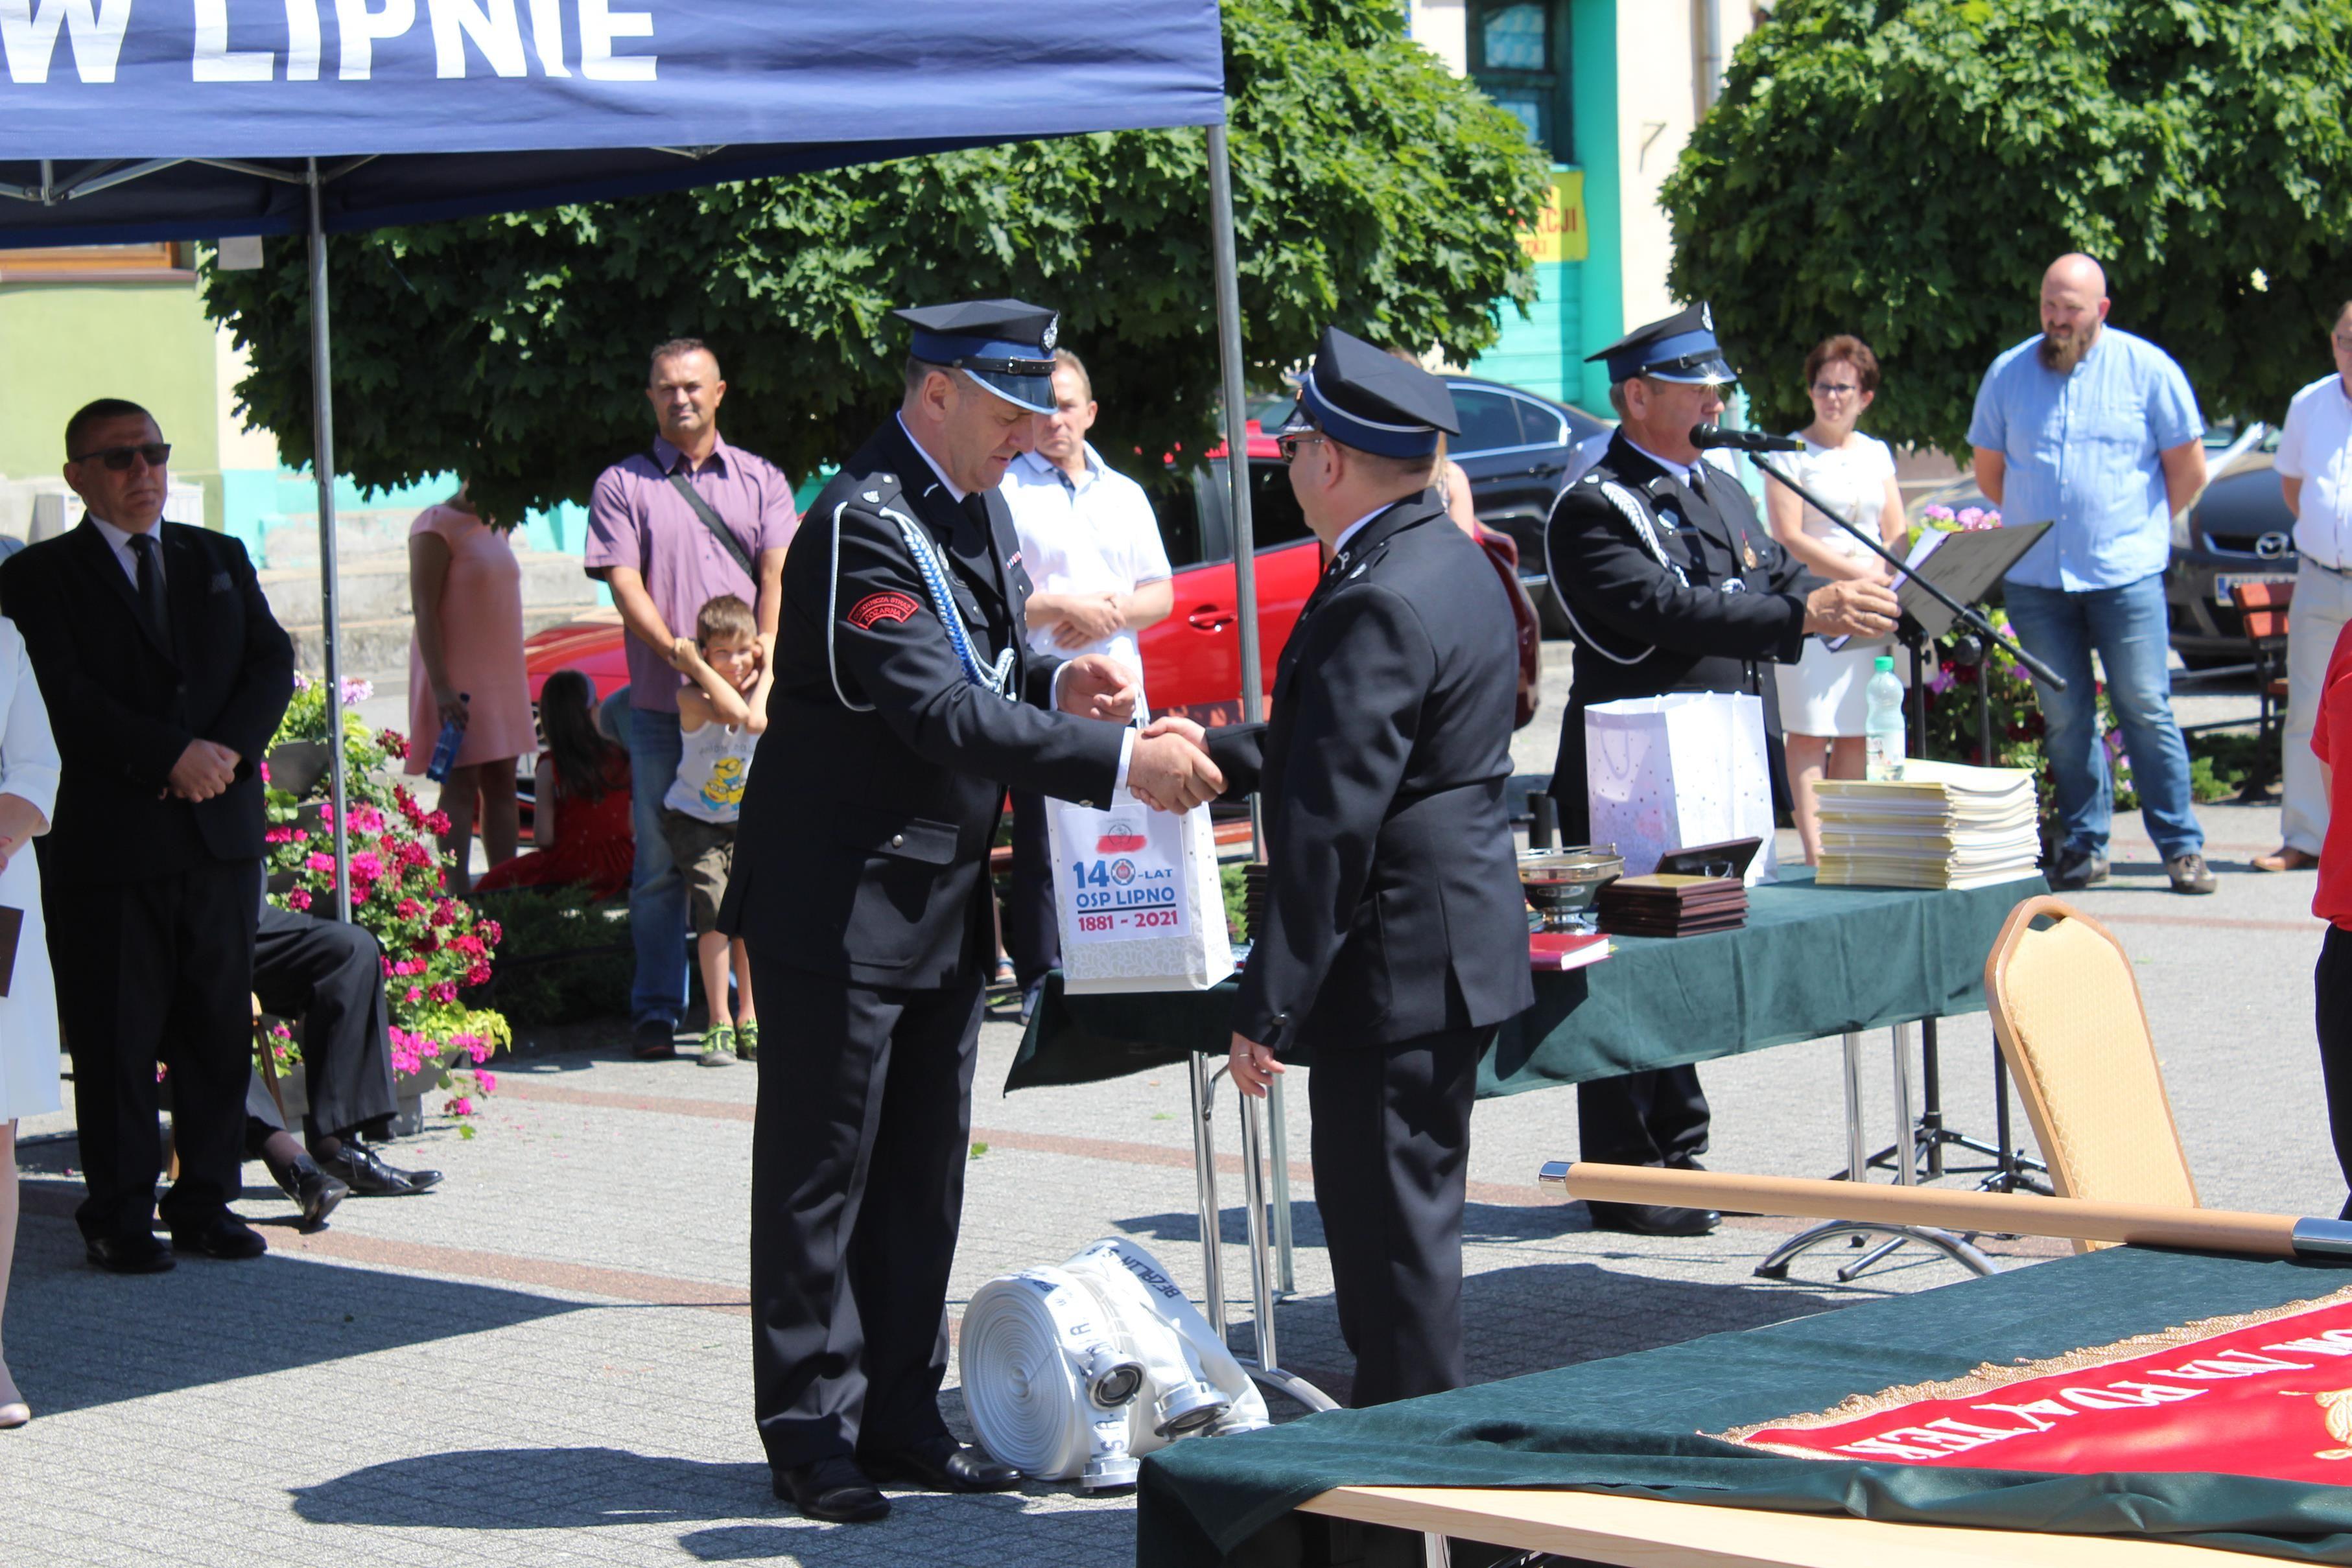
876, 607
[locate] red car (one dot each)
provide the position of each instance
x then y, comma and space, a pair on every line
1194, 657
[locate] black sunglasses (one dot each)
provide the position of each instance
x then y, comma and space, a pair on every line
1288, 445
155, 453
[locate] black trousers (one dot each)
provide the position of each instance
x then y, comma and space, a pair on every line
2331, 989
858, 1162
1391, 1147
148, 971
1032, 939
331, 976
1642, 1118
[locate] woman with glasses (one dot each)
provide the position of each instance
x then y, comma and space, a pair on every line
1822, 696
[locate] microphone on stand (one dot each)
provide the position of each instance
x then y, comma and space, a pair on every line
1704, 436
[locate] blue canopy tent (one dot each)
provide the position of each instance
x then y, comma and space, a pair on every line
123, 124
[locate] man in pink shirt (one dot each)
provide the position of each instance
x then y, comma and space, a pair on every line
669, 530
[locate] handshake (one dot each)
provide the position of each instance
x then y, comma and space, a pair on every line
1169, 768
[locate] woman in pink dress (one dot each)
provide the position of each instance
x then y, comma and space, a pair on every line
465, 666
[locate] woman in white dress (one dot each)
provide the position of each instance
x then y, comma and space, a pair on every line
28, 1013
1823, 697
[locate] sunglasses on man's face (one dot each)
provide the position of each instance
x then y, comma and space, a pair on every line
155, 454
1288, 445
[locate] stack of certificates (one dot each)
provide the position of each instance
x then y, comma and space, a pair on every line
1940, 825
1673, 906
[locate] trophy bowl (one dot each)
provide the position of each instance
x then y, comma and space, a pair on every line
1561, 883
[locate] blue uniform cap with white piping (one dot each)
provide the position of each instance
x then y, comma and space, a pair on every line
1681, 348
1006, 345
1369, 399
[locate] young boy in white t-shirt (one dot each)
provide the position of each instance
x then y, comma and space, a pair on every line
719, 719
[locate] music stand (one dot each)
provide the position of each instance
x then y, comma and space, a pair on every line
1966, 564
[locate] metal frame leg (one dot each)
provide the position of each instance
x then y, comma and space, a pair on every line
1204, 1177
1285, 1282
1905, 1152
1267, 1366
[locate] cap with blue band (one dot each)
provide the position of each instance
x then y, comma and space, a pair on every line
1006, 345
1369, 399
1680, 348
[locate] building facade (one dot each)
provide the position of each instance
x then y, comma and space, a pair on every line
1611, 88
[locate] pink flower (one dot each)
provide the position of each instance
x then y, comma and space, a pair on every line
367, 820
390, 968
445, 992
460, 1106
317, 861
356, 691
1943, 680
408, 909
492, 930
279, 836
265, 772
487, 1083
297, 899
301, 681
366, 864
436, 822
393, 743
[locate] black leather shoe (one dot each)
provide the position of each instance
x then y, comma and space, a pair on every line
132, 1252
224, 1236
1653, 1218
943, 1464
835, 1490
654, 1040
362, 1170
313, 1189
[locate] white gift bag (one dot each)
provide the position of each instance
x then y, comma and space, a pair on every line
1137, 896
1677, 771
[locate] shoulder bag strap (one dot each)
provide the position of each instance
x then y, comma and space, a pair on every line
711, 520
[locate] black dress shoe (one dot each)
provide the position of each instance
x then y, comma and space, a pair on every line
943, 1464
132, 1252
835, 1490
654, 1042
313, 1189
223, 1236
362, 1170
1653, 1218
2077, 868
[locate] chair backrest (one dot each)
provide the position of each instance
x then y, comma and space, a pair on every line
2068, 1015
2263, 606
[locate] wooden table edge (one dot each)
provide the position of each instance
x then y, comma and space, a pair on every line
1652, 1533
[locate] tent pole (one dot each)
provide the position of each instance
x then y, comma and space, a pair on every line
1237, 470
322, 465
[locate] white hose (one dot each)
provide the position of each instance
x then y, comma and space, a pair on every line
1045, 1382
1074, 1373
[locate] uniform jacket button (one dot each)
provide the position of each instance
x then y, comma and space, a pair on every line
898, 841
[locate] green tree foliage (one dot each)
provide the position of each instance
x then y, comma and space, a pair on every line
1371, 189
1905, 168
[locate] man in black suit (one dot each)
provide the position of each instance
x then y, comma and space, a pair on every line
165, 676
1672, 583
1396, 938
904, 704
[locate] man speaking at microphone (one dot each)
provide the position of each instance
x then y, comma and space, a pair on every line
1672, 583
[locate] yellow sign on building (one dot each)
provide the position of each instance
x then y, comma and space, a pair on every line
1558, 232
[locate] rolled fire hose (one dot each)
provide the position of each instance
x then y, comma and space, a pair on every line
1075, 1372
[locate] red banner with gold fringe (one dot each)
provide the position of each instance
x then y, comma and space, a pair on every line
2259, 1394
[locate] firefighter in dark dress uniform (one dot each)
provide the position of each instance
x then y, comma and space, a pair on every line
904, 704
1396, 935
1672, 583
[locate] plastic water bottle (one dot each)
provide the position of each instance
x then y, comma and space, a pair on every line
1881, 729
453, 735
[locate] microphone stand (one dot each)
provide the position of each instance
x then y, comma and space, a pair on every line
1968, 613
2011, 1171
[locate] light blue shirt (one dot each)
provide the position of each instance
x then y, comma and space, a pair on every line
2082, 452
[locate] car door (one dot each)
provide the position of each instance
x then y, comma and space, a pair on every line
1192, 660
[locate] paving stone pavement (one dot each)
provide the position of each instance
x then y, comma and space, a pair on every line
545, 1361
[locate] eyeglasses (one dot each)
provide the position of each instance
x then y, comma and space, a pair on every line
155, 454
1288, 445
1838, 389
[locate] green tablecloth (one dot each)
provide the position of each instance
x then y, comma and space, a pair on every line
1811, 961
1633, 1422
